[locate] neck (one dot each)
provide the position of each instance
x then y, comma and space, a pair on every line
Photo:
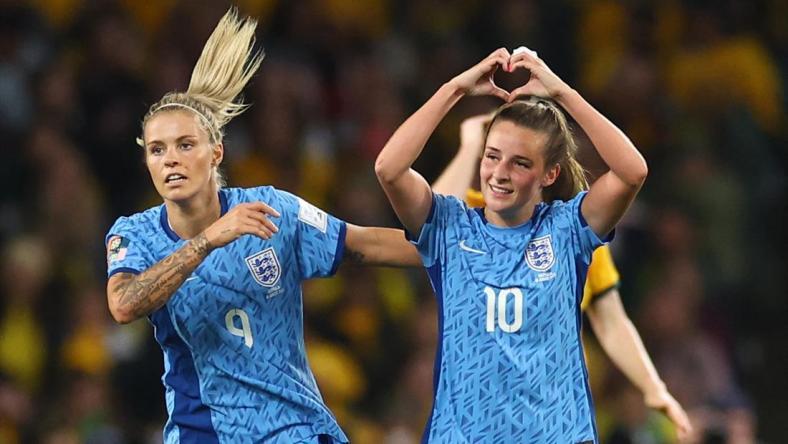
511, 217
190, 218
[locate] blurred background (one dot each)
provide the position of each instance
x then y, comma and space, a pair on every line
698, 85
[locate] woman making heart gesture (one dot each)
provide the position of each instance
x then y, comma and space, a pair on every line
509, 277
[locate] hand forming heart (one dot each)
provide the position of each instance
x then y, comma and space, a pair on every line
479, 79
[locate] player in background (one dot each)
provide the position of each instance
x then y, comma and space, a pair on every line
218, 279
601, 300
509, 277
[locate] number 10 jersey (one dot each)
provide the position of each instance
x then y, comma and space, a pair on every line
509, 366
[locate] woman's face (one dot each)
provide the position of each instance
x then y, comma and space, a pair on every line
512, 172
179, 155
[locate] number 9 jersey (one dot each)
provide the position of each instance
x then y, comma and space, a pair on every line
509, 365
235, 367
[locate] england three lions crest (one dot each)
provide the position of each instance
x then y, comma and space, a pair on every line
539, 253
265, 267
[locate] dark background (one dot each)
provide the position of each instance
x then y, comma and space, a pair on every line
698, 85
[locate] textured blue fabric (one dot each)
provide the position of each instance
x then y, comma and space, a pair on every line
510, 364
232, 335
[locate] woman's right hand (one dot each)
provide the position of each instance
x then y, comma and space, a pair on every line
246, 218
478, 80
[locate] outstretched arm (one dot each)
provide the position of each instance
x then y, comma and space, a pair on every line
457, 177
612, 193
409, 193
623, 345
380, 246
132, 296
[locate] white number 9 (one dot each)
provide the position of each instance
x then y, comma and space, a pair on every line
245, 331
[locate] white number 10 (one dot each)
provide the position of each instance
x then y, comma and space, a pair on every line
502, 298
245, 331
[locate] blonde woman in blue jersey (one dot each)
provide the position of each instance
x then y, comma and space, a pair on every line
509, 277
218, 279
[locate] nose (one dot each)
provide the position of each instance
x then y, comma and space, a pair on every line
171, 158
501, 172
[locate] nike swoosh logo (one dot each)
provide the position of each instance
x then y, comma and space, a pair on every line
472, 250
190, 278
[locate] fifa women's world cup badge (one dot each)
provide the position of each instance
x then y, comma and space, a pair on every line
117, 246
540, 257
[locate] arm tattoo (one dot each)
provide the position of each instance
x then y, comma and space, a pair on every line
354, 256
142, 294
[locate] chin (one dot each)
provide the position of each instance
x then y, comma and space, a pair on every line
176, 195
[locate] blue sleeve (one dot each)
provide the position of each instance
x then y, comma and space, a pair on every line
588, 240
319, 238
126, 251
431, 240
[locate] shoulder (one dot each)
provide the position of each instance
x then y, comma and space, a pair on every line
138, 222
448, 205
140, 227
568, 209
241, 195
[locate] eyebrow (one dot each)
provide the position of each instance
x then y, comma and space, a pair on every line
187, 136
492, 148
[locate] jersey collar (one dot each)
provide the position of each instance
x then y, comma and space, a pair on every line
165, 224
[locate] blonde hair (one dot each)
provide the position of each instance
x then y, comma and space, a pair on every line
544, 115
225, 66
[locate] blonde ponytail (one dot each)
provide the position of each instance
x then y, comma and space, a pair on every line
225, 66
222, 70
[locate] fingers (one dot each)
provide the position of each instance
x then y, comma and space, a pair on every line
530, 65
257, 229
528, 56
499, 57
260, 218
525, 90
263, 208
500, 93
681, 421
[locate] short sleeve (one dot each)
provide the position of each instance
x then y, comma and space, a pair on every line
126, 251
319, 237
589, 241
431, 240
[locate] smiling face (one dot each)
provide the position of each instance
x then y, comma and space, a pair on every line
179, 156
513, 172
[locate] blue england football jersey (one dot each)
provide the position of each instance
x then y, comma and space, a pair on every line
509, 366
235, 367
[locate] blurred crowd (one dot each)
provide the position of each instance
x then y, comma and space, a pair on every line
698, 85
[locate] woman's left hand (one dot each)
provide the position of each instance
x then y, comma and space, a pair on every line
478, 79
543, 82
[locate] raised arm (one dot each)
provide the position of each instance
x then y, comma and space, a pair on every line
132, 296
611, 194
408, 191
623, 345
458, 175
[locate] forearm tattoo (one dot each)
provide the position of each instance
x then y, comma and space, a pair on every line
142, 294
354, 256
